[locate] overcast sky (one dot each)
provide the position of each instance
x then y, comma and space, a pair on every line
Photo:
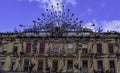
103, 13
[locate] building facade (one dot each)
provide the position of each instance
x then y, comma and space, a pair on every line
69, 53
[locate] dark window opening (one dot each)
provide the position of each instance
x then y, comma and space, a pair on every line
55, 66
40, 65
110, 46
70, 65
99, 48
12, 64
100, 66
85, 66
112, 66
15, 48
26, 64
2, 63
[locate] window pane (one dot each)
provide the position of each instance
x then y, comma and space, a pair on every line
100, 65
12, 64
55, 48
15, 47
28, 47
40, 65
70, 65
55, 66
42, 47
2, 63
99, 48
26, 64
5, 46
84, 48
70, 48
112, 66
110, 46
85, 66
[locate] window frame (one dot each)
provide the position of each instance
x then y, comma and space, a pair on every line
28, 47
39, 66
110, 48
26, 66
12, 65
55, 48
69, 67
15, 48
99, 48
42, 49
84, 49
70, 48
5, 47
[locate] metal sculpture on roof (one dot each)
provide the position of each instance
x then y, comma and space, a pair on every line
56, 20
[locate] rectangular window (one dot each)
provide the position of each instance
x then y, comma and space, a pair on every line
112, 66
110, 46
70, 48
28, 47
15, 48
55, 48
84, 48
2, 63
55, 66
70, 65
40, 65
99, 48
85, 66
26, 65
5, 47
12, 64
100, 64
42, 47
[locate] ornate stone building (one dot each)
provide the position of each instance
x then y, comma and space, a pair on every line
59, 46
36, 52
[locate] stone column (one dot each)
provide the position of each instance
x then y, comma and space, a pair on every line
105, 63
118, 66
7, 63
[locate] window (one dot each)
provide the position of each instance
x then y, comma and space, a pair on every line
26, 64
100, 64
70, 48
42, 47
2, 63
28, 47
15, 48
55, 66
99, 48
5, 47
12, 64
55, 48
85, 66
40, 65
70, 65
112, 66
110, 46
84, 48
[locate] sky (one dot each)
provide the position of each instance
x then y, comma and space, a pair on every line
105, 14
